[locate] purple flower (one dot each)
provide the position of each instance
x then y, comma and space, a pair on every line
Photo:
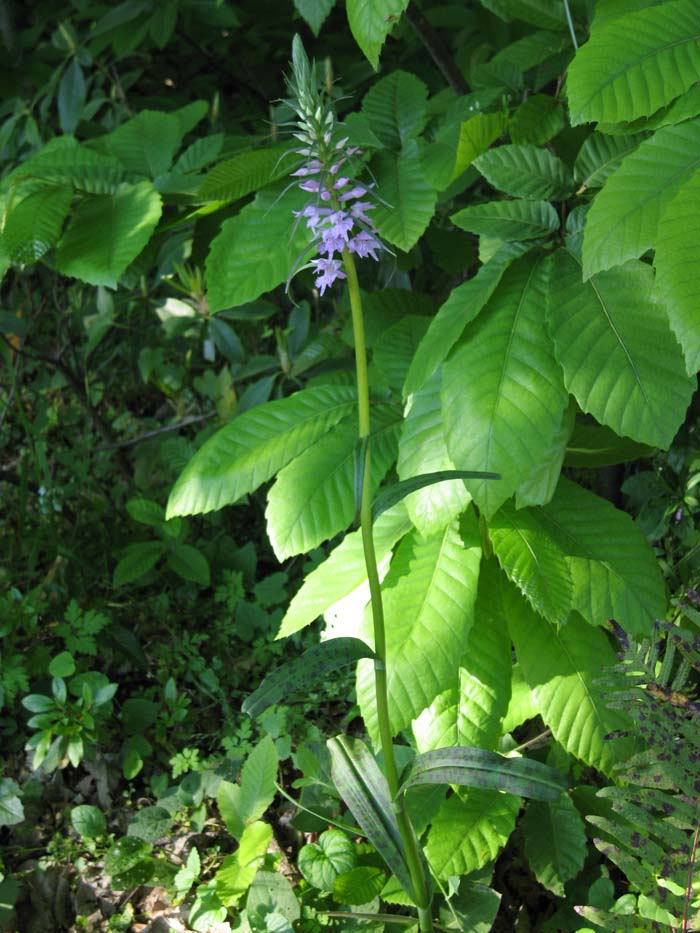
337, 216
364, 244
312, 185
358, 210
314, 215
358, 191
341, 223
330, 270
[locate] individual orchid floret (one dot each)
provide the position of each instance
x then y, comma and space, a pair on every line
364, 244
328, 271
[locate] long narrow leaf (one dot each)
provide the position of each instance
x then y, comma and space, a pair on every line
297, 675
389, 496
477, 767
364, 789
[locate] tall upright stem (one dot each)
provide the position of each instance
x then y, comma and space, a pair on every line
408, 837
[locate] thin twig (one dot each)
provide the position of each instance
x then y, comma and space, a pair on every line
689, 884
195, 419
535, 741
437, 50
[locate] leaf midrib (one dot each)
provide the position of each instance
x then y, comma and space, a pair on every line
498, 397
672, 181
658, 50
601, 301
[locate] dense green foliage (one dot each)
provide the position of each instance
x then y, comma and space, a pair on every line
182, 476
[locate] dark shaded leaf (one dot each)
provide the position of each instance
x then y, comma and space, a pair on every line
298, 675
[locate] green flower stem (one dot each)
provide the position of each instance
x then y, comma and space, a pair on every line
408, 837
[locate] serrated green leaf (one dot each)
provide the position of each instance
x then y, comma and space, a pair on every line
555, 842
395, 108
521, 706
299, 675
359, 885
623, 222
73, 164
429, 596
189, 563
200, 153
314, 12
473, 907
107, 232
505, 375
146, 511
677, 276
561, 665
390, 495
237, 871
526, 172
479, 767
312, 498
614, 343
35, 223
138, 559
508, 220
532, 561
470, 712
365, 791
462, 306
258, 779
470, 830
456, 145
632, 66
600, 156
162, 23
608, 10
395, 347
190, 115
256, 250
546, 14
241, 805
541, 484
321, 862
254, 446
343, 571
613, 569
422, 450
532, 49
409, 200
228, 800
146, 144
683, 108
236, 177
371, 21
71, 96
537, 120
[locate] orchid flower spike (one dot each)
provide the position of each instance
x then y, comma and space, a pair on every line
337, 213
